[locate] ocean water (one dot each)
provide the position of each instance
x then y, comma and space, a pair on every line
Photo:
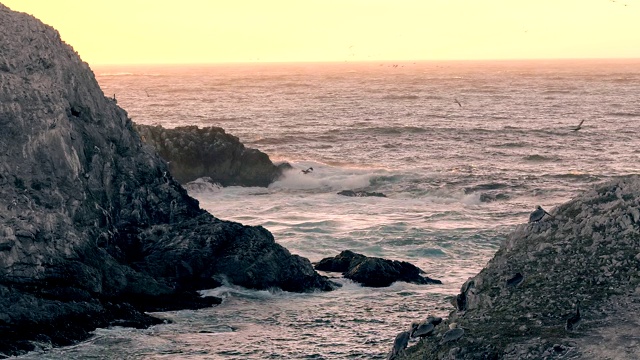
458, 178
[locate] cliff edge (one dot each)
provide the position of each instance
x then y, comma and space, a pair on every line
93, 227
566, 287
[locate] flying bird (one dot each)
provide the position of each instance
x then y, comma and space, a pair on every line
578, 127
307, 171
457, 102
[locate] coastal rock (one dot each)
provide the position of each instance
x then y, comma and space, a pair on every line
361, 193
93, 228
524, 303
373, 271
194, 152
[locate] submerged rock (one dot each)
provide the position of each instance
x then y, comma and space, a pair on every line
579, 266
93, 228
373, 271
361, 193
194, 153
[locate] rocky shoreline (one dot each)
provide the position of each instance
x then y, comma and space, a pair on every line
523, 304
94, 229
210, 152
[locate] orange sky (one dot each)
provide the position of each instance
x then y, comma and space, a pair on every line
213, 31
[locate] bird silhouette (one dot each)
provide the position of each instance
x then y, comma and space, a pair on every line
457, 102
538, 214
578, 127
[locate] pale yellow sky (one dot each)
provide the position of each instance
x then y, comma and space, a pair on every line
211, 31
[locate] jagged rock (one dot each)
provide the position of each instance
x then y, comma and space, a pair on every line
93, 228
524, 303
361, 193
373, 271
193, 153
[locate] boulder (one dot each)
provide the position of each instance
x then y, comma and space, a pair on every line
194, 153
94, 230
373, 271
524, 303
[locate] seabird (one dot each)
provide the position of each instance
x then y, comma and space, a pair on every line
457, 102
399, 344
452, 335
421, 329
307, 171
578, 127
538, 214
574, 320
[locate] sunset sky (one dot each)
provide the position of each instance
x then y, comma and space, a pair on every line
213, 31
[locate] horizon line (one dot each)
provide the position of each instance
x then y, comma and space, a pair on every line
362, 61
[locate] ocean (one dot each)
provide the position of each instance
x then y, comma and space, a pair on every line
458, 178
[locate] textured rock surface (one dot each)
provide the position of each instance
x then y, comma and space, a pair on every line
194, 153
373, 271
517, 307
92, 227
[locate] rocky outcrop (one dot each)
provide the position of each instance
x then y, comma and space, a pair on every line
360, 193
524, 303
93, 228
373, 271
194, 153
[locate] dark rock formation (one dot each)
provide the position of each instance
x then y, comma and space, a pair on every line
373, 271
361, 193
193, 153
93, 229
581, 265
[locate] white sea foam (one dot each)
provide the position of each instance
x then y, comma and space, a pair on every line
324, 178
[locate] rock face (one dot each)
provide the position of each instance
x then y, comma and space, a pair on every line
372, 271
93, 229
193, 153
522, 305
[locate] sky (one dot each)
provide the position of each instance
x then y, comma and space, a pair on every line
224, 31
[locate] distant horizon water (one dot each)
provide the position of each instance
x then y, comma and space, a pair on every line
479, 60
458, 179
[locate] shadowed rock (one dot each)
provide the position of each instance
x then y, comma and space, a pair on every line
372, 271
93, 228
361, 193
194, 152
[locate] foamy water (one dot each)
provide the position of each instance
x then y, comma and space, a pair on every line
457, 180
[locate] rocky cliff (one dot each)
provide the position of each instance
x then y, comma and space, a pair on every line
93, 228
210, 152
565, 287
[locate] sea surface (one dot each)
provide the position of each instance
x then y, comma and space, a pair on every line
458, 178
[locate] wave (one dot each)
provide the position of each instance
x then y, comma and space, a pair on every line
487, 186
551, 92
623, 114
401, 97
323, 178
519, 144
202, 185
540, 158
